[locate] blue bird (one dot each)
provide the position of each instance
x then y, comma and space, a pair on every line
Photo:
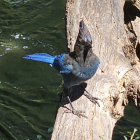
77, 66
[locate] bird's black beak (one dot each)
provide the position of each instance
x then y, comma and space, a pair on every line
82, 25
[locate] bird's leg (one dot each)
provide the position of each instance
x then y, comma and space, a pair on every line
70, 103
90, 97
73, 110
79, 113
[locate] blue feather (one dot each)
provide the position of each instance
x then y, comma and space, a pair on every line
54, 61
43, 57
60, 66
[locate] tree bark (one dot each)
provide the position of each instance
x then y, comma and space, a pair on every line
117, 44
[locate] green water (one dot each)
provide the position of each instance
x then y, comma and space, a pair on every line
126, 124
29, 90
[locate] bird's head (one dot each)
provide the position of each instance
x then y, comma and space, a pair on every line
83, 43
84, 36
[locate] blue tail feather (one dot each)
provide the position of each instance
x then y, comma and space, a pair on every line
43, 57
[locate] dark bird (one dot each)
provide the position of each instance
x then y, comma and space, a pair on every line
75, 67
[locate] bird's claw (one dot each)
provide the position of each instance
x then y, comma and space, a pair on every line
78, 113
94, 100
91, 98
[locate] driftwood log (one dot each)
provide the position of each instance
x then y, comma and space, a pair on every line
115, 29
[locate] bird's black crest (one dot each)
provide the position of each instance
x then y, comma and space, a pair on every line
83, 42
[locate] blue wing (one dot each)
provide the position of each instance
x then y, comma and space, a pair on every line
43, 57
55, 61
60, 63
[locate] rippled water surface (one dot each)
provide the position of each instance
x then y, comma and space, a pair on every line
29, 90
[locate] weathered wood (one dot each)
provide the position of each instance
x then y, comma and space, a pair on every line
114, 83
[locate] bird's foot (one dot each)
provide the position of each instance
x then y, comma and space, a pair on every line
94, 100
91, 98
78, 113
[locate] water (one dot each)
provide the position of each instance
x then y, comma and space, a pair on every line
127, 123
29, 90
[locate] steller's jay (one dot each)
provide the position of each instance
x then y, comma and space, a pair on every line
75, 67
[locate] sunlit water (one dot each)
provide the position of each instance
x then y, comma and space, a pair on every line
29, 90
